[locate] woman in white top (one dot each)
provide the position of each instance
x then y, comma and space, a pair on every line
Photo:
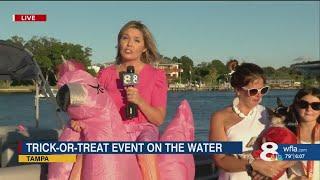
243, 121
305, 121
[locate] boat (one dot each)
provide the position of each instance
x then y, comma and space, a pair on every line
18, 63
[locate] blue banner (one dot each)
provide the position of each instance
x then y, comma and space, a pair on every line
298, 152
106, 147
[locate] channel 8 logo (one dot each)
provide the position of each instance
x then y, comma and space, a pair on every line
130, 79
269, 152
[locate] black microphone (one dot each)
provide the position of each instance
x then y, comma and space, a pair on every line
130, 79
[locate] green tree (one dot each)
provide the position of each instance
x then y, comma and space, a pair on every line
202, 69
164, 59
308, 81
210, 79
269, 71
283, 73
219, 66
17, 40
175, 59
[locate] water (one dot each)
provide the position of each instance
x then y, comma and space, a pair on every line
17, 108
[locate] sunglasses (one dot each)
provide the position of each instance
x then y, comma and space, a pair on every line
255, 91
305, 104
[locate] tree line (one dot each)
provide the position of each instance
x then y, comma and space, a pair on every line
47, 52
216, 72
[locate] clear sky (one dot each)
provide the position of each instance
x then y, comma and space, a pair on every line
265, 33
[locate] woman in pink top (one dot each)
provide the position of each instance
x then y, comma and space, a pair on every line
136, 47
150, 94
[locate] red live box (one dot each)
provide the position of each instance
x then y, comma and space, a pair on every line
29, 17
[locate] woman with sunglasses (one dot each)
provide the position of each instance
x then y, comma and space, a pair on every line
305, 122
244, 120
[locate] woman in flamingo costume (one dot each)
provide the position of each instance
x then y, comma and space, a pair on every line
136, 48
89, 104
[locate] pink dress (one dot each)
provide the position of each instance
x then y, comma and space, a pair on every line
152, 88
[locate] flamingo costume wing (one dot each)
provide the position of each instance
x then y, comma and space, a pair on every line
181, 128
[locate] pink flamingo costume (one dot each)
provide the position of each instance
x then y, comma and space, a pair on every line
97, 113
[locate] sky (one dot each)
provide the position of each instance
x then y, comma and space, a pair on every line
266, 33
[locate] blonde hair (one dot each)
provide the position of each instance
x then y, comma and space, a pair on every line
151, 55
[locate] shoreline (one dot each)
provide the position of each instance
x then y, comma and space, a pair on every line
221, 89
17, 90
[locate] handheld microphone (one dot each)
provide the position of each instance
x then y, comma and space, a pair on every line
130, 79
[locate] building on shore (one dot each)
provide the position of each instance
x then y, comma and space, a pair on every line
109, 63
173, 71
97, 66
283, 83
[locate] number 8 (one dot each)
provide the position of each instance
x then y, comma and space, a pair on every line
135, 79
267, 150
127, 79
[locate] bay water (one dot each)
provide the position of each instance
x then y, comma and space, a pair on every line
18, 108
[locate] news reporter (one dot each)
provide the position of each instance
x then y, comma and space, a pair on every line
136, 47
304, 120
243, 121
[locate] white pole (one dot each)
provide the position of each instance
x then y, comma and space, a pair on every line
36, 104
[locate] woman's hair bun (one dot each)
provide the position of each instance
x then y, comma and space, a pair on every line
232, 65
